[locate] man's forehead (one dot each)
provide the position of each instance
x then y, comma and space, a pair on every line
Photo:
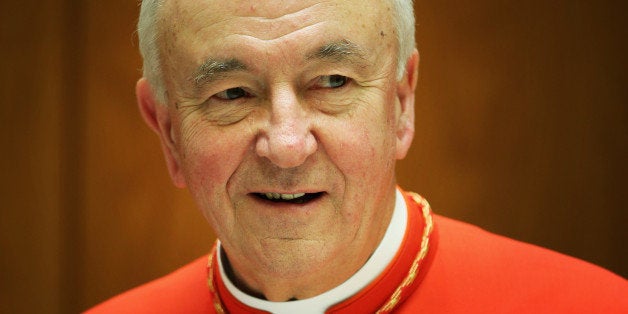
214, 10
205, 41
269, 8
185, 22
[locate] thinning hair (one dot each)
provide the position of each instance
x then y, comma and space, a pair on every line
148, 32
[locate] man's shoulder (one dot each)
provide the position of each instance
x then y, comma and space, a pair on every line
480, 271
182, 291
490, 252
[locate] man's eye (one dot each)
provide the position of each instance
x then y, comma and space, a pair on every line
232, 93
332, 81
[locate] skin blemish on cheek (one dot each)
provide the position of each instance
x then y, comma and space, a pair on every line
381, 33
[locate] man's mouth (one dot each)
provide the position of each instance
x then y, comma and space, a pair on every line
298, 198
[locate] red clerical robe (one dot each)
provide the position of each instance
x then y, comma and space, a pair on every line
443, 266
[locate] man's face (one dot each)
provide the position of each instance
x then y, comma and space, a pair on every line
284, 120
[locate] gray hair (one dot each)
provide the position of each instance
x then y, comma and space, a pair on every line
148, 33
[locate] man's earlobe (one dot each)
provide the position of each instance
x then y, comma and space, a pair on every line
158, 119
405, 95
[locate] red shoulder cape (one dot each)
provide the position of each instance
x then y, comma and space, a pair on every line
467, 270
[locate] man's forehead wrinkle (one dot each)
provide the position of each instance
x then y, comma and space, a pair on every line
274, 38
278, 12
273, 30
271, 22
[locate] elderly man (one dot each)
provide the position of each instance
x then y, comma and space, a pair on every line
285, 119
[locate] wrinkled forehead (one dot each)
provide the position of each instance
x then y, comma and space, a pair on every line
267, 8
270, 19
273, 40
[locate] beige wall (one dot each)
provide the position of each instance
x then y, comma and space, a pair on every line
522, 122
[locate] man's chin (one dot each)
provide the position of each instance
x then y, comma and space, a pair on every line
293, 257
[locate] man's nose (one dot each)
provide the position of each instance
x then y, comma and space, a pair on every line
287, 139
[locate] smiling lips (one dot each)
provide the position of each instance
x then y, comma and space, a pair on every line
298, 198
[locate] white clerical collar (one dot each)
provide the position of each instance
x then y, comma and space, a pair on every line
377, 263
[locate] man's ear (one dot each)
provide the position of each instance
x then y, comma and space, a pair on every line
158, 119
405, 95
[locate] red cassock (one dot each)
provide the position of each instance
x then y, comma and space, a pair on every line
443, 266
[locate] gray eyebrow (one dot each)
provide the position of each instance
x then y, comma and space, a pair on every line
338, 51
213, 69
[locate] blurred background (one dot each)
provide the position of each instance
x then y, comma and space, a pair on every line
521, 120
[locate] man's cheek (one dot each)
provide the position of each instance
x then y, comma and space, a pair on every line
204, 167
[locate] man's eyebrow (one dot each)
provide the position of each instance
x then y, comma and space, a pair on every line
213, 69
338, 51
